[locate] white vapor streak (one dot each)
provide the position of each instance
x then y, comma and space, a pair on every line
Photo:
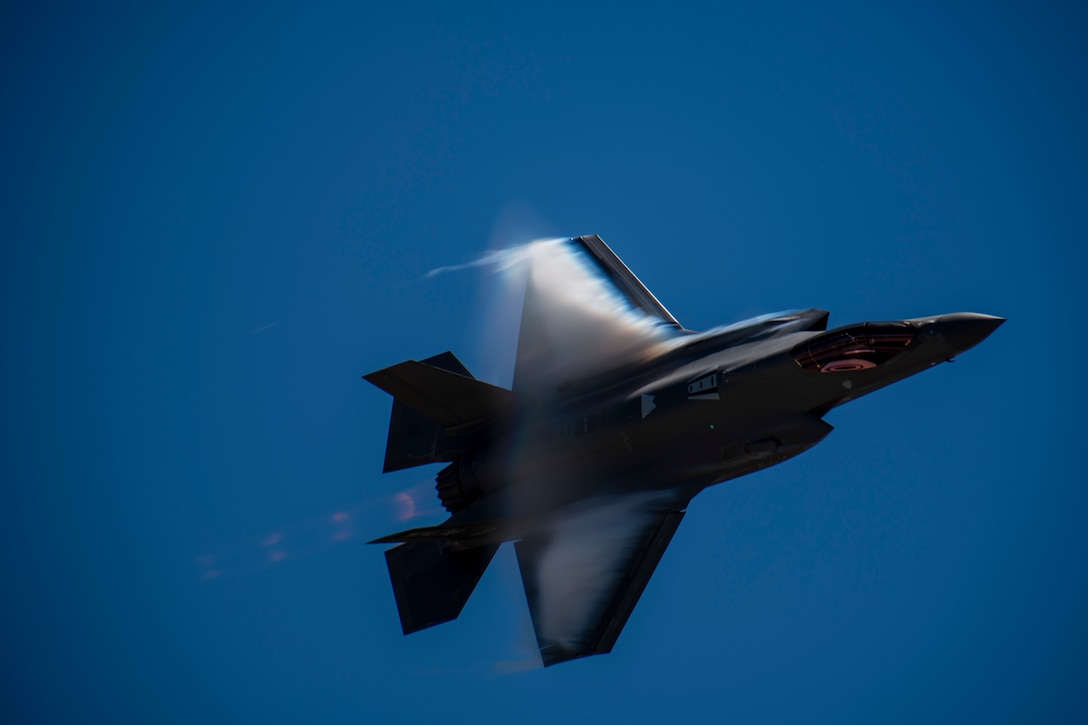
575, 323
588, 552
498, 259
263, 328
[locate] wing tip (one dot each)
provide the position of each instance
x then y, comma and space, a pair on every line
556, 654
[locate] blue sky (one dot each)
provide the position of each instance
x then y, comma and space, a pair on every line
216, 218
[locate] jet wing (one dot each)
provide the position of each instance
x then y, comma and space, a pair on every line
583, 313
584, 573
636, 293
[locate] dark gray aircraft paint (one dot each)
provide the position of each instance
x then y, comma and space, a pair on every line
590, 468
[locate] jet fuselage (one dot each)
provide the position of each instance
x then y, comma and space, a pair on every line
689, 420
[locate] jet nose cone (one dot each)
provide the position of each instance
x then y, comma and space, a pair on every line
964, 330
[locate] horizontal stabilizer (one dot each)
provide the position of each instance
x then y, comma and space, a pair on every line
430, 397
432, 582
447, 398
484, 531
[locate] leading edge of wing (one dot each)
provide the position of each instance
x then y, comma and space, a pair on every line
618, 273
583, 313
585, 571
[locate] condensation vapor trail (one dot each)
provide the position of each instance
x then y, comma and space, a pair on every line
574, 322
588, 545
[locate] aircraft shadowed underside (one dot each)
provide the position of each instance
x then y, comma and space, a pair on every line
617, 418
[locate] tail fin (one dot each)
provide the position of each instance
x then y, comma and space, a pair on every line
429, 398
432, 582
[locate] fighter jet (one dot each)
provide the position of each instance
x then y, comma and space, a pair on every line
617, 417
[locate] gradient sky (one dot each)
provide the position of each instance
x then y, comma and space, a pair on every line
216, 218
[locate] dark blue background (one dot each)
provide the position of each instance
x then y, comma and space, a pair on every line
216, 218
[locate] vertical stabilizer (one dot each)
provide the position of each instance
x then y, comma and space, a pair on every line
432, 582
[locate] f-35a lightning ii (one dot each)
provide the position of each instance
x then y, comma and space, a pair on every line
617, 418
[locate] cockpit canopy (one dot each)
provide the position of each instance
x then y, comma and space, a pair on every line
857, 347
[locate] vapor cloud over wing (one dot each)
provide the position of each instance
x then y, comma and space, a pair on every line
575, 323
